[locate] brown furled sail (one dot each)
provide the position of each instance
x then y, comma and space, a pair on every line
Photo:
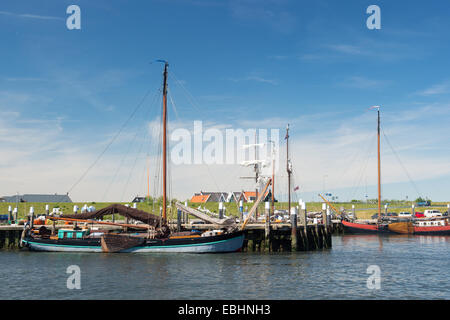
405, 227
127, 212
112, 242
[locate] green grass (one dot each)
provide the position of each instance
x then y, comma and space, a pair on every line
231, 208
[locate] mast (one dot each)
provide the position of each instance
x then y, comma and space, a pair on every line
256, 173
164, 213
379, 168
288, 169
273, 184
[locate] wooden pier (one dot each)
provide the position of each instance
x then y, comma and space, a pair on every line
280, 238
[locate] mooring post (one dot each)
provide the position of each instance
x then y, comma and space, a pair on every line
448, 209
178, 220
47, 210
304, 225
353, 211
15, 215
10, 216
294, 229
385, 209
413, 212
184, 213
32, 217
241, 211
324, 218
267, 224
220, 210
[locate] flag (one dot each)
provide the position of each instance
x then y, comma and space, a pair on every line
296, 188
374, 107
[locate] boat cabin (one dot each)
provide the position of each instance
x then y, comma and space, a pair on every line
72, 234
431, 223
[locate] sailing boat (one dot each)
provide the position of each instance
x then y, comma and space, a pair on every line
152, 236
379, 226
420, 226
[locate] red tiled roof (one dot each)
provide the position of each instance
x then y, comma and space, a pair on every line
200, 198
248, 194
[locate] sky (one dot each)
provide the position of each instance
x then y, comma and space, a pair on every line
79, 108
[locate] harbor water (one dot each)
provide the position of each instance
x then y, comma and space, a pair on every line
408, 267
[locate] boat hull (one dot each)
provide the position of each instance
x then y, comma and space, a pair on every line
363, 228
432, 231
214, 244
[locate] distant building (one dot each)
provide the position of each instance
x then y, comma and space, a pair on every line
138, 199
250, 196
45, 198
204, 197
245, 196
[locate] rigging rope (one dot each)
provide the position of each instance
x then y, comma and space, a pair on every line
401, 164
111, 142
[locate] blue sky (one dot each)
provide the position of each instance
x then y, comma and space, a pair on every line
248, 64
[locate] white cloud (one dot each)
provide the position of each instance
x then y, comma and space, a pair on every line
254, 78
441, 88
38, 156
31, 16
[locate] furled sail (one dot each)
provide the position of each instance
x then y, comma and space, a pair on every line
122, 210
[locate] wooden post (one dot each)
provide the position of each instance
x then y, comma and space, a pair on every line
294, 229
32, 217
267, 212
241, 211
353, 211
324, 218
10, 216
267, 225
413, 212
178, 220
15, 215
220, 210
304, 224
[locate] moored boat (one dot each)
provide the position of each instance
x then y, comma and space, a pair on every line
380, 226
438, 227
223, 243
153, 235
364, 228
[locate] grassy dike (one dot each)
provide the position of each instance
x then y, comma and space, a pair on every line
365, 212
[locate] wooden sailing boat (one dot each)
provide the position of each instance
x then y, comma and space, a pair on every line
153, 236
380, 226
420, 226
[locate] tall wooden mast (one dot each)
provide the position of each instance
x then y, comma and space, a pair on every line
273, 184
164, 213
379, 167
288, 169
256, 167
